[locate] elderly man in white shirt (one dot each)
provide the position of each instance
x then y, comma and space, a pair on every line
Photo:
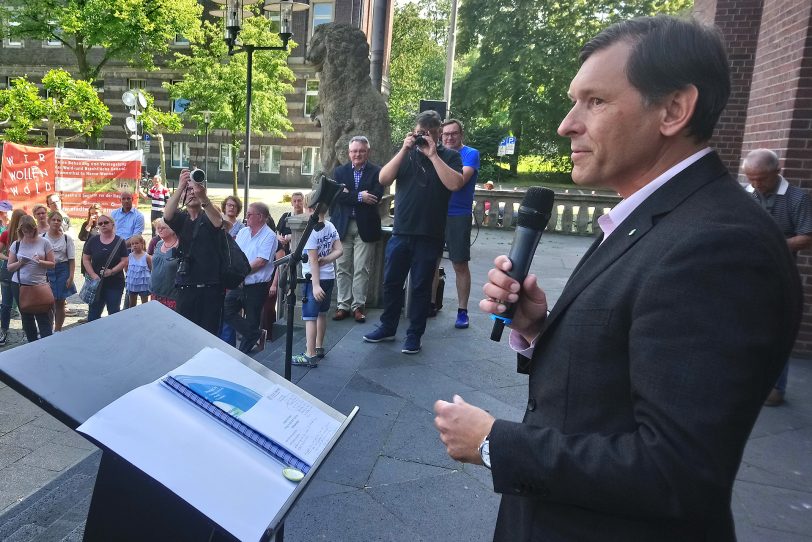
259, 244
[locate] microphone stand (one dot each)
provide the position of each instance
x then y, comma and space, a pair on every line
293, 260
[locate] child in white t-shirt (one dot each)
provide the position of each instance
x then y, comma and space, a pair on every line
322, 247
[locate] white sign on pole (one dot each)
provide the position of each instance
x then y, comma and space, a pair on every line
510, 145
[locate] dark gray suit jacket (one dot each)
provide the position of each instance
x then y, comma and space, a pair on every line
650, 372
367, 217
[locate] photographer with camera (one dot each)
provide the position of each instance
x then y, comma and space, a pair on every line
427, 173
200, 294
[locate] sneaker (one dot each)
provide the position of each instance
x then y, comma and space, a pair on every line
462, 319
380, 334
320, 352
3, 337
411, 345
303, 360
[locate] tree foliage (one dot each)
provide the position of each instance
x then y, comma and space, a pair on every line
98, 31
521, 58
63, 103
216, 82
417, 64
157, 123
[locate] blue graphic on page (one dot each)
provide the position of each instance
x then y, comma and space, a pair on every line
228, 396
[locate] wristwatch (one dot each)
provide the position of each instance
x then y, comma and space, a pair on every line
485, 452
204, 204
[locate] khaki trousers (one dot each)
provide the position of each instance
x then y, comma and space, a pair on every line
352, 269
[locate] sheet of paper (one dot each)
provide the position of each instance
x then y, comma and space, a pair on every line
205, 463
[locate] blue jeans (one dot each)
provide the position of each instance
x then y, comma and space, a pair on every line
415, 256
781, 384
109, 296
5, 305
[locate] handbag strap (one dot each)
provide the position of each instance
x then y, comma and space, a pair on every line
112, 253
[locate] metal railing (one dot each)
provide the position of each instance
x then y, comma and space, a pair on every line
574, 213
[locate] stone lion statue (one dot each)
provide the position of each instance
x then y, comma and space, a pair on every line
348, 103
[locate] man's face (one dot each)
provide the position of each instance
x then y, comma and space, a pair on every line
254, 218
359, 153
231, 208
41, 214
615, 138
126, 202
765, 181
297, 202
53, 203
452, 136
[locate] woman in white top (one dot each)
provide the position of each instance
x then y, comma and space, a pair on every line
28, 260
61, 276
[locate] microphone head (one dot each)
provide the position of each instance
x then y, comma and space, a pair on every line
536, 208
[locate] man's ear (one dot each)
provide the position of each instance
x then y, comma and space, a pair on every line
678, 109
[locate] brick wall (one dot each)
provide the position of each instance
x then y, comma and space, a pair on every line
738, 21
779, 115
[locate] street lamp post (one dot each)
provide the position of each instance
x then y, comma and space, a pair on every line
207, 122
232, 14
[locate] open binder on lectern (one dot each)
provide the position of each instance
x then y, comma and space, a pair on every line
220, 436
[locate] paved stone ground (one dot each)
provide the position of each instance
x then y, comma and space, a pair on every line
389, 478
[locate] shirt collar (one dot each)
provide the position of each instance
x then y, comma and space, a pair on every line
783, 185
610, 221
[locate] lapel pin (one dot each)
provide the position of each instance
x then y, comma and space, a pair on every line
632, 232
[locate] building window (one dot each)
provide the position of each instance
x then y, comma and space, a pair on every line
311, 96
180, 154
322, 13
135, 84
5, 82
226, 157
311, 159
180, 39
269, 158
52, 41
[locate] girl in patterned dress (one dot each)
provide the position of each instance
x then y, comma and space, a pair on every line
139, 268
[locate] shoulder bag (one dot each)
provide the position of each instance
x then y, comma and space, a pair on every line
90, 289
34, 298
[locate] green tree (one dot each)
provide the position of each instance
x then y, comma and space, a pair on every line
417, 64
157, 123
66, 104
523, 57
215, 81
98, 31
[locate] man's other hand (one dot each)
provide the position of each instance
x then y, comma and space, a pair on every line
462, 428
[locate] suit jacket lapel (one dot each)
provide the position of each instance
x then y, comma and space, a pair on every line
636, 226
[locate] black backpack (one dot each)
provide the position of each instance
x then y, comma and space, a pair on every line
234, 265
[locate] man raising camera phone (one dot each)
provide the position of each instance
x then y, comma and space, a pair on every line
200, 294
427, 173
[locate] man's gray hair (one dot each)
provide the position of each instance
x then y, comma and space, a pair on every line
762, 160
359, 139
261, 208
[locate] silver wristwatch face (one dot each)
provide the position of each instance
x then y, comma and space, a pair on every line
485, 452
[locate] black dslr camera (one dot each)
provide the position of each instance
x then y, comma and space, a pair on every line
420, 140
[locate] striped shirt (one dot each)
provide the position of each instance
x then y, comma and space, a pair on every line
158, 194
789, 206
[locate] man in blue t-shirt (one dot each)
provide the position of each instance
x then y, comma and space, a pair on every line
458, 225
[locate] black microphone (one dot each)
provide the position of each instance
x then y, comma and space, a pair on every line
534, 213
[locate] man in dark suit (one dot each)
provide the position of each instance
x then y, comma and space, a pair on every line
648, 374
355, 216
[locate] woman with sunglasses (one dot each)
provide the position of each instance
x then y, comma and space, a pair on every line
29, 259
100, 249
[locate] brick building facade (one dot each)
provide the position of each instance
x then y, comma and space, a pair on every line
286, 161
770, 47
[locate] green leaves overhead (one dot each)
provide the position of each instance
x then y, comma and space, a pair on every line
133, 31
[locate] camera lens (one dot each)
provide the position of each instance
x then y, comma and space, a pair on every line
198, 176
